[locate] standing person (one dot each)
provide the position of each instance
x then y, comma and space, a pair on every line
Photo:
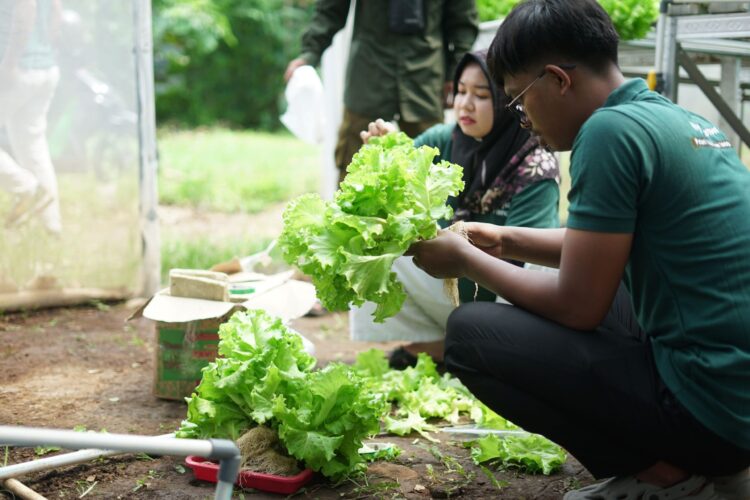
28, 79
658, 195
509, 179
402, 56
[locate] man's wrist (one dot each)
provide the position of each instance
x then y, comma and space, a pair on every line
466, 259
506, 242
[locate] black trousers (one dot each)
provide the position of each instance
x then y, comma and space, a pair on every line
597, 394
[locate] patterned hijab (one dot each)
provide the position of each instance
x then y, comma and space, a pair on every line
504, 162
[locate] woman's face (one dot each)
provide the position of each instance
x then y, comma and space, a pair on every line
473, 104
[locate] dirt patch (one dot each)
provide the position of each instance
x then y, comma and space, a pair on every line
88, 367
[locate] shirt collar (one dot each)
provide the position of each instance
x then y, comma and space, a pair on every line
626, 92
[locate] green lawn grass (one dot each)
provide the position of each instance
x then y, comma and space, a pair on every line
179, 252
227, 170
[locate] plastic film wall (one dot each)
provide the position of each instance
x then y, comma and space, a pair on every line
74, 124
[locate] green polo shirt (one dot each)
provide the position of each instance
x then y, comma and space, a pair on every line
642, 165
534, 206
391, 74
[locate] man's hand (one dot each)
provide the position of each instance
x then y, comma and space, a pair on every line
293, 65
376, 129
442, 257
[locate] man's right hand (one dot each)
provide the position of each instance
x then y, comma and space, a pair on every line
376, 129
293, 65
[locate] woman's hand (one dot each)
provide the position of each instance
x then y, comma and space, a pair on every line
292, 66
445, 256
376, 129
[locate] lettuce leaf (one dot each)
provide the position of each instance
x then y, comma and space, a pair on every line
322, 416
266, 377
393, 196
533, 453
419, 395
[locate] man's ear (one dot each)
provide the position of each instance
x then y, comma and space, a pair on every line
561, 76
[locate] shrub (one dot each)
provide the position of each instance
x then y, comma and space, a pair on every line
632, 18
223, 60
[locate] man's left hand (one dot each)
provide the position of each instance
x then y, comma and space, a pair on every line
442, 257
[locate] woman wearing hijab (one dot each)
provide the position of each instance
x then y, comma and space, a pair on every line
509, 179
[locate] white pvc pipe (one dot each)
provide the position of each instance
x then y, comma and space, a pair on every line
154, 445
224, 489
47, 463
225, 450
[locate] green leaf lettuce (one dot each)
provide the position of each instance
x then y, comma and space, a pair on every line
393, 196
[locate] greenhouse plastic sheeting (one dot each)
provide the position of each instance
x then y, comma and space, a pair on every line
71, 152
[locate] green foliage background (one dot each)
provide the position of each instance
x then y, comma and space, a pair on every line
632, 18
222, 61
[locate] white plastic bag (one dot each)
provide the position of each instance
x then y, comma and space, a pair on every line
305, 116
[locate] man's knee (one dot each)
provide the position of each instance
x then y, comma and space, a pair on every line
461, 322
458, 321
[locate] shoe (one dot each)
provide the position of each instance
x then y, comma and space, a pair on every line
630, 488
734, 487
25, 206
401, 359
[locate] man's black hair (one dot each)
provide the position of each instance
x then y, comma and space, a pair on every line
538, 32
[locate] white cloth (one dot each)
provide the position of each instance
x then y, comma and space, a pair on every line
422, 318
424, 314
305, 114
23, 112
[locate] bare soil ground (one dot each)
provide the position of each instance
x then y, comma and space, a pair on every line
87, 366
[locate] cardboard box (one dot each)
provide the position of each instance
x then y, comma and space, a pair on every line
187, 329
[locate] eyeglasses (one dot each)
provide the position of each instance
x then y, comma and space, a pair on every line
517, 108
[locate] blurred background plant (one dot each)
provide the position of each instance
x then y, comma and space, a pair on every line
632, 18
222, 61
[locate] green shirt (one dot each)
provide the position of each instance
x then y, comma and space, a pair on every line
643, 165
535, 206
392, 74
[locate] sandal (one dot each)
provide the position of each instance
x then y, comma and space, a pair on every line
630, 488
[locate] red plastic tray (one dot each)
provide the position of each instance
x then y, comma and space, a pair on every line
207, 470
